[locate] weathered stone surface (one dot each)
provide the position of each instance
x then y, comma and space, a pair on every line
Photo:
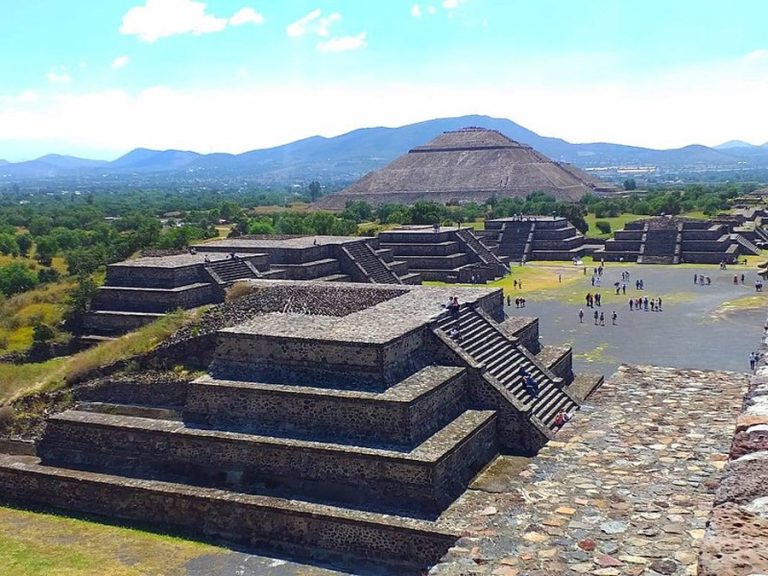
735, 543
753, 439
632, 475
746, 479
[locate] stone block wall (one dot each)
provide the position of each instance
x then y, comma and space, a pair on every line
154, 299
154, 277
736, 539
328, 414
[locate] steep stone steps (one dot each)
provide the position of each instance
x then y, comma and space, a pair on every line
402, 415
373, 266
426, 478
227, 271
287, 526
504, 360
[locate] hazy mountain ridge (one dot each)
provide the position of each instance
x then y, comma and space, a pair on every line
351, 155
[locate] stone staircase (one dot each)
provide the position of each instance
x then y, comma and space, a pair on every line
748, 246
481, 251
228, 271
484, 341
660, 246
374, 268
515, 239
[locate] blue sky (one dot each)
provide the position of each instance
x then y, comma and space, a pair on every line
100, 78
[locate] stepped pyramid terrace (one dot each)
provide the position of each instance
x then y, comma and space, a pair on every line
675, 240
139, 291
468, 165
527, 238
342, 420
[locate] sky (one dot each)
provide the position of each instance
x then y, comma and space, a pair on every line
99, 78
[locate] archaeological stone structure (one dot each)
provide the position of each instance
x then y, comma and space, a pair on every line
468, 165
323, 431
675, 240
444, 253
526, 238
139, 291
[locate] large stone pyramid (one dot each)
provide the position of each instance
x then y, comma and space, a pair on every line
468, 165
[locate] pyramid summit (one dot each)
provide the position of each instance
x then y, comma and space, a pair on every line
468, 165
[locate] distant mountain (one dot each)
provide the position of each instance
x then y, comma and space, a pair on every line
734, 144
145, 160
350, 156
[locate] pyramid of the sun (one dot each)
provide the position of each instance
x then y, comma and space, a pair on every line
468, 165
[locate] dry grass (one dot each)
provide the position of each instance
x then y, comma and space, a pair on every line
22, 379
21, 312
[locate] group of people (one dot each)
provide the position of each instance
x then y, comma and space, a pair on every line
702, 280
529, 382
652, 304
753, 359
599, 317
593, 299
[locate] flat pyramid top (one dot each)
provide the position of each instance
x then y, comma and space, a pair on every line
469, 138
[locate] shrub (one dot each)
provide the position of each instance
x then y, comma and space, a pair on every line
603, 226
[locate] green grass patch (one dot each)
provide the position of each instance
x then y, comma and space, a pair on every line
22, 379
43, 544
597, 354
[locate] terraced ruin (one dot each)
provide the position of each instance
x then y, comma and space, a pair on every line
321, 430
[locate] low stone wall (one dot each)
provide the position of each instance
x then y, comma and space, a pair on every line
153, 299
291, 527
331, 414
425, 249
736, 540
436, 262
153, 277
427, 480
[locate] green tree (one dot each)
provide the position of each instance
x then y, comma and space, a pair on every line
9, 244
630, 184
16, 278
46, 250
314, 190
25, 243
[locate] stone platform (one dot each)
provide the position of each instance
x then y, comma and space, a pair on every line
317, 433
625, 490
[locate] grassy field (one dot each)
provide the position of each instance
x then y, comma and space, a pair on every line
19, 313
44, 544
22, 379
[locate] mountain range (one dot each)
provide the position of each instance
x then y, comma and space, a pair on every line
351, 155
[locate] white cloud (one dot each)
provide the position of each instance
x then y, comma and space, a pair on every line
313, 23
162, 18
431, 9
119, 62
661, 110
246, 16
61, 77
300, 27
756, 55
450, 4
343, 43
416, 11
28, 97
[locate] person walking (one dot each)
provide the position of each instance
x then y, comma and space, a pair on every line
752, 361
614, 316
596, 316
581, 316
602, 319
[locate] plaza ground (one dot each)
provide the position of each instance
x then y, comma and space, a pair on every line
711, 327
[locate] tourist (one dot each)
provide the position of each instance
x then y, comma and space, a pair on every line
509, 300
695, 278
530, 385
454, 306
562, 418
598, 299
623, 288
455, 334
597, 317
631, 304
645, 303
581, 316
560, 278
752, 361
522, 302
735, 279
206, 259
517, 302
658, 304
602, 319
742, 278
614, 316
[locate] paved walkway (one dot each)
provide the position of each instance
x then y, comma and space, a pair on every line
624, 490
